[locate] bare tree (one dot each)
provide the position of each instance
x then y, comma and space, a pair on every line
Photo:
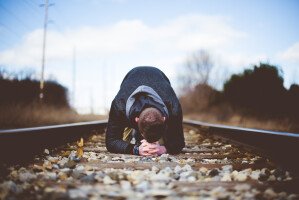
198, 67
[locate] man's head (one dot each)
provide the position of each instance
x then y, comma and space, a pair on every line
151, 124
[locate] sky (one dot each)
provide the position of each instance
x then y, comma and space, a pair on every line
92, 44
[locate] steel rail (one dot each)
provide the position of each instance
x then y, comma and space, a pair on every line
21, 145
17, 145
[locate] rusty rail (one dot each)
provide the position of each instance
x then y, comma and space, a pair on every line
31, 141
215, 164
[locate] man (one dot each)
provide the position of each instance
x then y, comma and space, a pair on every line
146, 110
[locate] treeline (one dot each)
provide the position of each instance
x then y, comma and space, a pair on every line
258, 91
23, 89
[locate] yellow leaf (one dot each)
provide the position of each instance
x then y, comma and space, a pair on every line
80, 152
80, 143
80, 148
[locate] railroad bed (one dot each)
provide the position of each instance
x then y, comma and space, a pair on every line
207, 168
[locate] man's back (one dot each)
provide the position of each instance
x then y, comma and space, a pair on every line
149, 76
118, 121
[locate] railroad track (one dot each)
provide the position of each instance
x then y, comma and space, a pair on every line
218, 162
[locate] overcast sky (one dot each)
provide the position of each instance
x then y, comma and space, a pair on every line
110, 37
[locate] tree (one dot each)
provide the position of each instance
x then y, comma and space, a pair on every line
197, 71
259, 89
197, 95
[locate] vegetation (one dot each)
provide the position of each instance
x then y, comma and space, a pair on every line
254, 98
25, 90
20, 105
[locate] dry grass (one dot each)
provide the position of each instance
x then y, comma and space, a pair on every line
19, 116
283, 124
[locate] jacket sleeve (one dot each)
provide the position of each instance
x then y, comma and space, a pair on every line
114, 133
174, 139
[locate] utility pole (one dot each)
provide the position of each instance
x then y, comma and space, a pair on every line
41, 94
74, 76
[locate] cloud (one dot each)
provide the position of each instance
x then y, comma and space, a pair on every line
121, 46
291, 54
183, 34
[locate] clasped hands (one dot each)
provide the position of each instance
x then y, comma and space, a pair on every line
151, 149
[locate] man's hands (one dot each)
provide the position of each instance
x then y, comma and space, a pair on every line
150, 149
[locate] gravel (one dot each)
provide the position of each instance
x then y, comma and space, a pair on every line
94, 176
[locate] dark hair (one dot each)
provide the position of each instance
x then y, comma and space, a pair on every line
151, 124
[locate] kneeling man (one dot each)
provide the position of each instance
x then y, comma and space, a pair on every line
145, 116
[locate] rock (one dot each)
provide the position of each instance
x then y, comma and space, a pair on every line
203, 171
279, 173
55, 166
176, 176
293, 196
164, 157
191, 179
143, 186
190, 160
70, 164
185, 176
269, 194
266, 171
219, 193
167, 171
62, 176
242, 187
51, 176
113, 175
177, 169
138, 176
272, 178
77, 174
80, 168
38, 168
187, 168
159, 193
62, 162
263, 177
227, 168
213, 172
163, 177
282, 195
125, 185
105, 158
67, 171
46, 151
155, 169
49, 191
47, 165
52, 159
226, 177
255, 174
9, 187
89, 178
238, 176
26, 176
78, 194
108, 181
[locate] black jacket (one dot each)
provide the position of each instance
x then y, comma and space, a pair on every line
156, 79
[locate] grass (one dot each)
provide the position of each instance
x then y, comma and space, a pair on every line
278, 124
20, 116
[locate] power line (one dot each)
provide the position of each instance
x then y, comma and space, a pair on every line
16, 17
10, 30
32, 6
32, 10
